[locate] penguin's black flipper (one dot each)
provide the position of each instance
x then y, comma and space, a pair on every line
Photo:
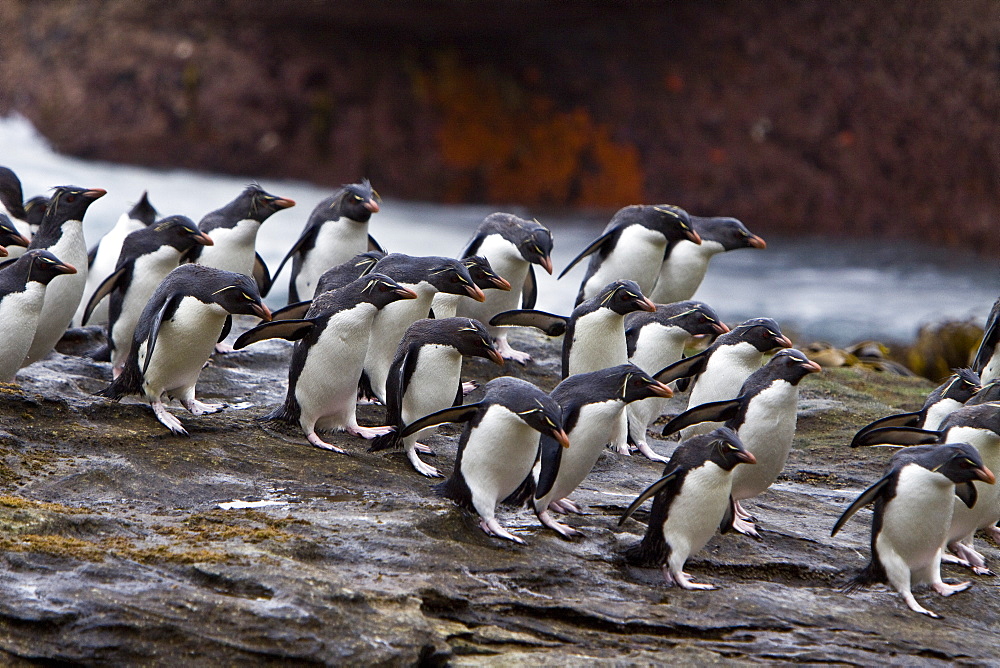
307, 238
291, 330
551, 324
103, 290
715, 411
967, 492
728, 517
453, 414
295, 311
374, 245
594, 245
898, 420
990, 339
551, 455
864, 499
529, 291
648, 492
169, 306
261, 275
227, 327
91, 256
897, 436
685, 368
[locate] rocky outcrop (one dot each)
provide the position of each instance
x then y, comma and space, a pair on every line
115, 550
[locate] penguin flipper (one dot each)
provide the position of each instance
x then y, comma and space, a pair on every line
295, 311
529, 291
648, 492
594, 245
374, 245
92, 255
897, 436
551, 324
714, 411
966, 491
261, 275
306, 238
990, 340
227, 327
728, 517
685, 368
154, 331
551, 455
102, 291
897, 420
290, 330
864, 499
453, 414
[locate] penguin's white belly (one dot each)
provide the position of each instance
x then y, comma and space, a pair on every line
593, 430
433, 384
327, 385
233, 248
388, 329
507, 262
497, 457
336, 242
19, 315
63, 294
992, 369
105, 261
938, 412
986, 511
656, 348
915, 521
767, 432
598, 342
697, 510
724, 375
183, 345
637, 256
681, 274
147, 274
445, 305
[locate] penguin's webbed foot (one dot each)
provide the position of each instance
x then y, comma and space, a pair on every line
168, 419
566, 506
368, 432
741, 512
426, 449
224, 348
469, 386
509, 353
993, 533
493, 528
196, 407
946, 589
323, 445
562, 529
422, 467
648, 453
967, 556
746, 527
684, 581
621, 448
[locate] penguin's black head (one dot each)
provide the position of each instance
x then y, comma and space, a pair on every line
143, 211
624, 297
673, 221
960, 386
44, 266
543, 414
763, 333
238, 294
725, 449
181, 233
358, 201
9, 236
257, 204
695, 318
483, 275
989, 393
791, 365
536, 246
451, 276
11, 194
981, 416
346, 272
472, 339
71, 203
636, 384
959, 462
380, 290
35, 209
729, 232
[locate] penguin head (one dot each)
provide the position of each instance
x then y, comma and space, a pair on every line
981, 416
960, 386
11, 194
673, 221
380, 290
959, 462
44, 266
988, 393
143, 211
71, 203
451, 276
473, 340
763, 333
537, 409
730, 233
35, 209
535, 246
791, 365
637, 385
9, 236
624, 297
695, 318
238, 294
483, 275
254, 203
357, 201
181, 233
725, 449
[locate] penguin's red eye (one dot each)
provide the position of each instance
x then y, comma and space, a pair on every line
456, 279
70, 198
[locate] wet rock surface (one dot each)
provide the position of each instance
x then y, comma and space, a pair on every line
114, 547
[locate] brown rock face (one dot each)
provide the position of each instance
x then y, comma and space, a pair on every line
869, 119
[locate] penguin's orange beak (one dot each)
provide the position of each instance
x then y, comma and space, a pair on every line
372, 206
3, 252
783, 342
405, 293
204, 239
647, 305
476, 292
720, 327
986, 475
693, 237
262, 312
746, 457
495, 356
65, 268
661, 390
561, 438
546, 263
283, 203
95, 193
811, 367
756, 242
500, 282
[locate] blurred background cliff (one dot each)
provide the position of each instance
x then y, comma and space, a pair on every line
852, 119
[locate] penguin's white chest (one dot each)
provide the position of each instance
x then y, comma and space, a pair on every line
726, 371
506, 261
19, 317
657, 347
433, 383
64, 292
183, 345
915, 521
336, 241
683, 270
767, 432
598, 342
105, 261
938, 412
594, 428
497, 457
388, 329
637, 256
233, 248
148, 271
986, 511
697, 509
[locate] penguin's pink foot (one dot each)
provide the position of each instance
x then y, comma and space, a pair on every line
168, 419
320, 443
196, 407
368, 432
493, 528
